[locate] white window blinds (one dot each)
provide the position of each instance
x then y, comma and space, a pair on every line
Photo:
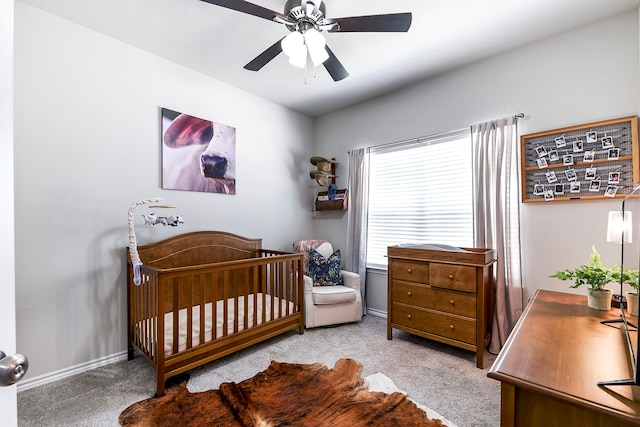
420, 192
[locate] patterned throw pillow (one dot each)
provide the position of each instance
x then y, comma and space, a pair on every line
324, 271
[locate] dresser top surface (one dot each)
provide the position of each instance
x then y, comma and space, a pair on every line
443, 253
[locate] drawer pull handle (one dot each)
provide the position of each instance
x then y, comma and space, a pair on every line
451, 276
409, 293
409, 316
452, 327
452, 302
409, 270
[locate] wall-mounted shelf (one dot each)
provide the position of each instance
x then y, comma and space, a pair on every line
339, 203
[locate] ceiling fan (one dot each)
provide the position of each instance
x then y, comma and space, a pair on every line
306, 19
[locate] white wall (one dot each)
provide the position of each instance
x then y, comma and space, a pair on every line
583, 76
87, 131
7, 266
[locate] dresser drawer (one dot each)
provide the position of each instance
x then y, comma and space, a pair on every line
460, 303
446, 325
458, 277
410, 271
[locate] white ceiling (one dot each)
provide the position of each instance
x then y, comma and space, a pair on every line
444, 35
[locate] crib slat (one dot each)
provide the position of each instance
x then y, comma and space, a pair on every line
235, 310
286, 297
299, 289
281, 294
146, 305
289, 286
175, 287
214, 308
256, 289
147, 315
159, 290
272, 291
202, 303
245, 312
142, 315
140, 332
153, 346
188, 303
225, 306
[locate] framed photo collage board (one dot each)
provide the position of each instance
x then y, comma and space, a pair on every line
590, 161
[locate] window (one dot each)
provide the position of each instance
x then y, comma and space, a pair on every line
420, 192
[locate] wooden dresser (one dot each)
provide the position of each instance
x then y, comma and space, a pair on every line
553, 360
444, 295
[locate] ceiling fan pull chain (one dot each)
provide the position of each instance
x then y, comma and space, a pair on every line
306, 65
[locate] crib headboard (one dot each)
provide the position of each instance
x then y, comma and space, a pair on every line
197, 248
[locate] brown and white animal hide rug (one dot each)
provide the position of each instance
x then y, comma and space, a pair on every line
283, 395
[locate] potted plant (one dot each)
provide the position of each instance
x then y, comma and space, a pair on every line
594, 275
631, 278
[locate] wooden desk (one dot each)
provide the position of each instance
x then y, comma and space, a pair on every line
553, 360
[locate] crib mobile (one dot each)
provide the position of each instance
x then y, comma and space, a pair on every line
149, 219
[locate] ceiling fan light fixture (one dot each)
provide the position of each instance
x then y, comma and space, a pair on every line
294, 47
299, 59
292, 43
316, 44
318, 57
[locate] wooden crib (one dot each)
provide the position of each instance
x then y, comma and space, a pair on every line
207, 294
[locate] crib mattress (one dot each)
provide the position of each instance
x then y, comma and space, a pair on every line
255, 305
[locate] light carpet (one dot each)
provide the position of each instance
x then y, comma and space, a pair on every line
442, 377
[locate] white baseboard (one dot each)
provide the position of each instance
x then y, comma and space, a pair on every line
29, 383
377, 313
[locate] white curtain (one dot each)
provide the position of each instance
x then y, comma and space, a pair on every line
358, 189
496, 216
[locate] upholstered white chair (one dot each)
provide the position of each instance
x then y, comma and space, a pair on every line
328, 304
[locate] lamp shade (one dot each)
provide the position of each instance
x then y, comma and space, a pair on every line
619, 227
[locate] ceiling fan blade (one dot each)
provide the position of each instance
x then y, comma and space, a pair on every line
334, 67
246, 7
265, 57
390, 23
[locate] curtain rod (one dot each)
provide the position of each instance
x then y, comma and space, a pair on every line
420, 138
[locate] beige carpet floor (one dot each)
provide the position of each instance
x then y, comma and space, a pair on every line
440, 377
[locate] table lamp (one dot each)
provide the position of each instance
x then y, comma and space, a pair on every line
620, 230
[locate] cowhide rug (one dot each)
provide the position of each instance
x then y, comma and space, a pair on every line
282, 395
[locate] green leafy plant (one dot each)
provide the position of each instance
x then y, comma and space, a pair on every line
629, 277
591, 273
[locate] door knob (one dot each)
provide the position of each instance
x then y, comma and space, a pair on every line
12, 368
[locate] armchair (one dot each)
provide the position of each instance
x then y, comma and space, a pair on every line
328, 304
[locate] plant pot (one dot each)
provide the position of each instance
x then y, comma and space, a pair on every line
632, 303
599, 300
